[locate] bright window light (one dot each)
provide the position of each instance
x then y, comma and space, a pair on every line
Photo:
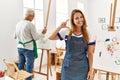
61, 15
80, 6
37, 5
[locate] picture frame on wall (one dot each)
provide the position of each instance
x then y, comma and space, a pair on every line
104, 26
101, 20
117, 20
117, 27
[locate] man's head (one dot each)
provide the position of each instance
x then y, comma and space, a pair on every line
29, 15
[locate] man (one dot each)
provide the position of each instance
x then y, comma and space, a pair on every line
26, 35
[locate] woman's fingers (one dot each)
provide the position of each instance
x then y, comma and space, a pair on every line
65, 23
67, 20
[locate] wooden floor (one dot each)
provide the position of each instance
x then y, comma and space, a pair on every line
53, 77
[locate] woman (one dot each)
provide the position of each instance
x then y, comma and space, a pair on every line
77, 64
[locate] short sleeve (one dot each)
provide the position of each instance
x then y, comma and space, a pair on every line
92, 38
63, 33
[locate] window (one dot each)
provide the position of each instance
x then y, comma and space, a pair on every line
61, 11
37, 5
61, 15
80, 6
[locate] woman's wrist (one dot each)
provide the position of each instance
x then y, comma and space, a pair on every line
91, 69
59, 27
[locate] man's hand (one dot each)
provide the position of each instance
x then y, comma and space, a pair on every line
44, 31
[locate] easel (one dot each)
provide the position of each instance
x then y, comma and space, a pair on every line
110, 28
47, 51
48, 63
107, 73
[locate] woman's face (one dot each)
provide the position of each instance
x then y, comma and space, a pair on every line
78, 19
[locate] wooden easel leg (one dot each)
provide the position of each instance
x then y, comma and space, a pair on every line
99, 75
41, 61
50, 63
55, 61
113, 76
107, 76
94, 71
118, 77
47, 66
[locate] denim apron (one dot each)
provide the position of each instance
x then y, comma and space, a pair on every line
75, 64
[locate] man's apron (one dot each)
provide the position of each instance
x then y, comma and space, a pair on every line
34, 45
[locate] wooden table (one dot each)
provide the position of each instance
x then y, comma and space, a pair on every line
53, 56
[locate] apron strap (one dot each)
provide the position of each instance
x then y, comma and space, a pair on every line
35, 49
34, 45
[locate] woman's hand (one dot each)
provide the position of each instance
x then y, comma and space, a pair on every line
64, 24
54, 35
90, 75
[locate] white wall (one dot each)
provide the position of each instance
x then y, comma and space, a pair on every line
73, 4
10, 14
100, 8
